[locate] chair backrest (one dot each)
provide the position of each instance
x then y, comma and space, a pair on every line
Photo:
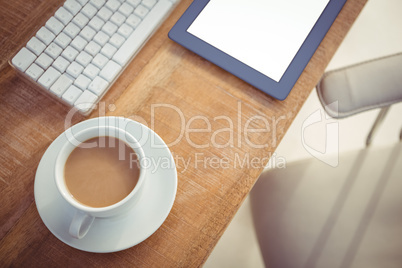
364, 86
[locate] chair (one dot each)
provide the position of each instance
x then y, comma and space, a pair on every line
311, 214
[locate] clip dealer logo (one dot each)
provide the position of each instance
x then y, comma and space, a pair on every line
320, 136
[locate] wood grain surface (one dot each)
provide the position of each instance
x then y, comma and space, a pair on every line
220, 130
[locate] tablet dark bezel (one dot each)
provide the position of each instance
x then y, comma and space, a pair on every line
279, 90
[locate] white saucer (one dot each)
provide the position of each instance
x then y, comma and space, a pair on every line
124, 231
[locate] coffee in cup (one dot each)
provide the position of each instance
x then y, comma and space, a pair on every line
99, 171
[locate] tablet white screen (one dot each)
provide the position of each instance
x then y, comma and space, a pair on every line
263, 34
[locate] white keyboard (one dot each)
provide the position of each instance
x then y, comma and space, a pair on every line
81, 50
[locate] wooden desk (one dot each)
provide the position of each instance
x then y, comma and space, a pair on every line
239, 128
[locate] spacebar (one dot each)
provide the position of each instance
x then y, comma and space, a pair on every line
142, 32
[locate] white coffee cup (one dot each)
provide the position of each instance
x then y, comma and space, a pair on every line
85, 215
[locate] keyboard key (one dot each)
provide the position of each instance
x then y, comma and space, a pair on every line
125, 30
83, 58
108, 50
97, 3
126, 9
34, 71
36, 46
82, 82
62, 40
133, 20
79, 43
61, 64
105, 13
86, 101
118, 18
82, 2
54, 25
101, 38
61, 85
89, 10
96, 23
141, 11
49, 77
110, 71
63, 15
70, 53
134, 3
117, 40
44, 61
148, 3
88, 33
53, 50
74, 69
72, 30
113, 5
100, 61
71, 95
109, 28
98, 86
81, 20
91, 71
72, 6
92, 48
45, 35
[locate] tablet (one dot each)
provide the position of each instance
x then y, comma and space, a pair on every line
267, 43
